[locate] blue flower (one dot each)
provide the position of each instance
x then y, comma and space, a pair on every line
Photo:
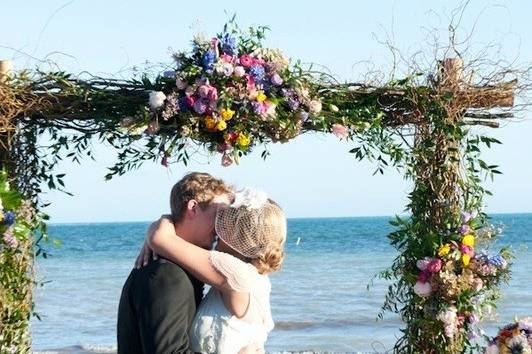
229, 44
208, 59
258, 73
498, 261
9, 218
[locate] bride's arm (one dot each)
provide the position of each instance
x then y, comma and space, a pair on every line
163, 240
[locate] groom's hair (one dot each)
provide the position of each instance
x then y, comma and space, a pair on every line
198, 186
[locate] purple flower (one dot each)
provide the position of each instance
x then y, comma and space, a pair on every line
208, 59
276, 79
169, 74
229, 44
465, 229
303, 116
200, 106
9, 218
466, 216
473, 319
258, 72
258, 107
287, 92
293, 103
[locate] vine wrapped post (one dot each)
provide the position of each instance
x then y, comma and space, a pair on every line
436, 317
6, 69
18, 220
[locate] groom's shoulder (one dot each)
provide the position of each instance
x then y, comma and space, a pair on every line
160, 270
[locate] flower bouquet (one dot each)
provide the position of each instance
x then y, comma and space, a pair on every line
515, 338
460, 280
230, 93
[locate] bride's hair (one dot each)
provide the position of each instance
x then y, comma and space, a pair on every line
256, 233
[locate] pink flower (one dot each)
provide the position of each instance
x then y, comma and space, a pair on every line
246, 61
227, 160
434, 265
190, 101
212, 94
250, 82
422, 289
467, 250
10, 240
227, 58
223, 147
203, 91
259, 62
341, 131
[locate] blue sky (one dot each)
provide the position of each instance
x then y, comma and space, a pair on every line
311, 176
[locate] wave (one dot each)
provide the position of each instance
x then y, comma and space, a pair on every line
334, 323
80, 349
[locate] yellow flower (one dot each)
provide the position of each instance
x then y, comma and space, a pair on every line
210, 123
444, 250
243, 140
227, 114
221, 125
465, 259
469, 240
1, 216
261, 97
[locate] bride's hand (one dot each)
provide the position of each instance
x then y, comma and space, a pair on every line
146, 252
252, 349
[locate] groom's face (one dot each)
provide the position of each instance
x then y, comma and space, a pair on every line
206, 217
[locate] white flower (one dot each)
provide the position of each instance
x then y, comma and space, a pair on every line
422, 289
314, 106
449, 320
251, 198
228, 69
239, 71
156, 99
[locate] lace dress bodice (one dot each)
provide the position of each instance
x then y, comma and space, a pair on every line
215, 329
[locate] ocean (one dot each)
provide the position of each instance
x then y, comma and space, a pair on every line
320, 300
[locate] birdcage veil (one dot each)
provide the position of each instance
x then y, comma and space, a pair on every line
246, 225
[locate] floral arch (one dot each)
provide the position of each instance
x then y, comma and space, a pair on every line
232, 95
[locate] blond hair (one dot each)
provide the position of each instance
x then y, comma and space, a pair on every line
258, 234
198, 186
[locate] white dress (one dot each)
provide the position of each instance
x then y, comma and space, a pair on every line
215, 329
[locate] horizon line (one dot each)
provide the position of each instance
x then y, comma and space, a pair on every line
290, 218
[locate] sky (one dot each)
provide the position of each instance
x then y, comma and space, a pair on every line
313, 175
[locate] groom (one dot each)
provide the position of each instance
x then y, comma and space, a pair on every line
158, 301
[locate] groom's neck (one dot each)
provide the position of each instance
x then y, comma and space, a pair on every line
183, 230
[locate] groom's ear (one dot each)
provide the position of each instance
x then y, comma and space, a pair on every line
192, 207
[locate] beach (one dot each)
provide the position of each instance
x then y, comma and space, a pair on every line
320, 300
